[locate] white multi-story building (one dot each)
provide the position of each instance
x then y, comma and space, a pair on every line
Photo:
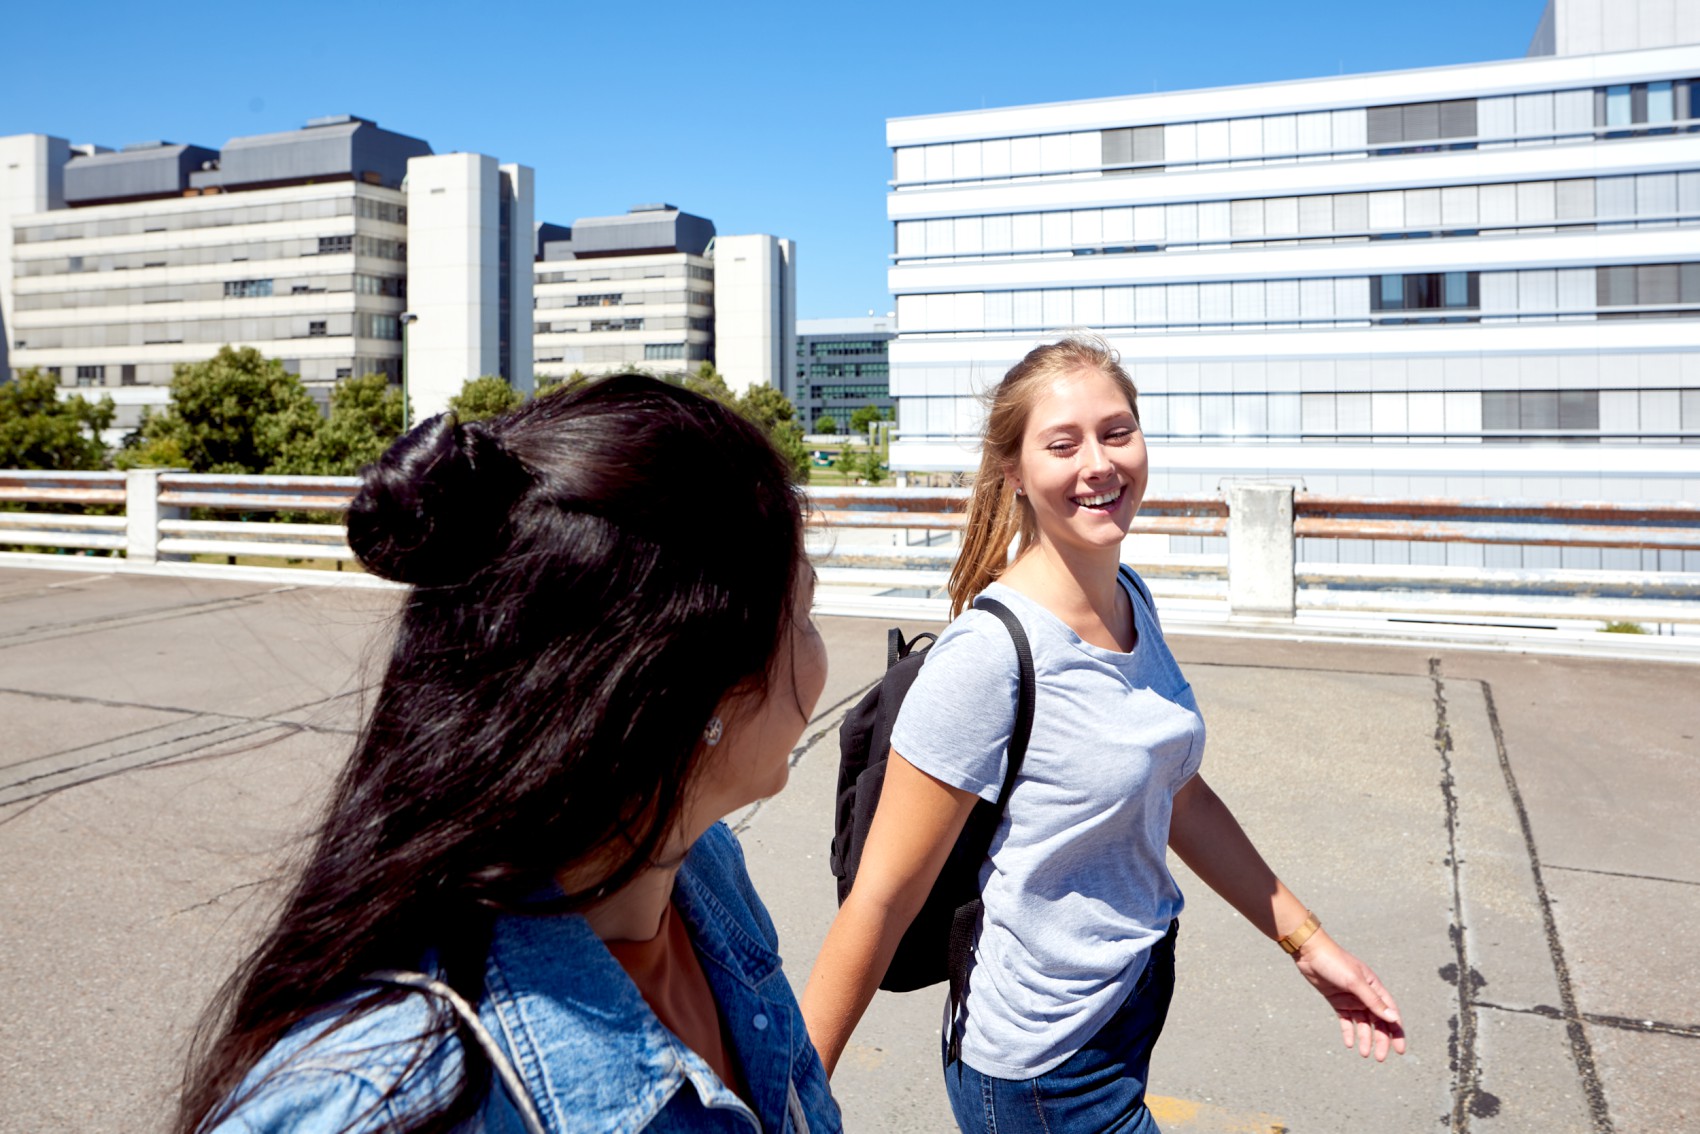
635, 290
121, 265
469, 276
656, 289
755, 310
1375, 283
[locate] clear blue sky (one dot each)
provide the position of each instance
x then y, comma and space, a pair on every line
764, 117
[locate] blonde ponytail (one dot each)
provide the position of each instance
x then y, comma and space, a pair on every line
996, 515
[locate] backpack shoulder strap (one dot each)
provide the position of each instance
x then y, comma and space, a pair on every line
1138, 587
1025, 695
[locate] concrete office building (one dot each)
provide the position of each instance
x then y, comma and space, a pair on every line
656, 288
1371, 283
755, 310
841, 366
124, 264
469, 277
634, 290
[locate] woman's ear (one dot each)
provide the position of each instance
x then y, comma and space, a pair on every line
1011, 479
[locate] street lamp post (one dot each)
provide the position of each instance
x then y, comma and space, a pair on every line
407, 319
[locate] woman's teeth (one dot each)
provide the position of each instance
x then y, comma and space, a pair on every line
1098, 501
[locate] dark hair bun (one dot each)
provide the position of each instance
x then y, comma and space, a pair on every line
433, 510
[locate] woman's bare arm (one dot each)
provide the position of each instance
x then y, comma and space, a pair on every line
1207, 837
915, 826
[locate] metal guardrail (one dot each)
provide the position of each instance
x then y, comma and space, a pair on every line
1260, 575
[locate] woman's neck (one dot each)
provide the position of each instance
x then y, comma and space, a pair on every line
1078, 586
635, 912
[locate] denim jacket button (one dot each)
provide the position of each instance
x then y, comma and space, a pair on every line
760, 1022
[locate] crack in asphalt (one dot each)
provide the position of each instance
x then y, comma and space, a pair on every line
1581, 1049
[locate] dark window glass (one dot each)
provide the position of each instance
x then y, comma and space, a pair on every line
1578, 409
1499, 409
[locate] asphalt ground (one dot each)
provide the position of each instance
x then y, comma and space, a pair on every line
1510, 840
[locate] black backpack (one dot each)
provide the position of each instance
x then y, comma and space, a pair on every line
938, 942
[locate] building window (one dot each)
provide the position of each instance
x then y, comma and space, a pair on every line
1643, 104
127, 374
344, 372
608, 300
331, 245
1540, 411
1138, 147
247, 289
1426, 291
373, 326
380, 285
316, 329
616, 324
1426, 122
91, 375
1648, 286
661, 352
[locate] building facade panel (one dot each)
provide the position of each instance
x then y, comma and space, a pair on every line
1466, 257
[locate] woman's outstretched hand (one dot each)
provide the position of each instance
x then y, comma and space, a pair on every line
1369, 1018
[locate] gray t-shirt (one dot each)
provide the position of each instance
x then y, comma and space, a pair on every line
1078, 887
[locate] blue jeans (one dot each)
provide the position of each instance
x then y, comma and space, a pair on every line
1098, 1090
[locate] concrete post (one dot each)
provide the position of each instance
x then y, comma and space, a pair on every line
141, 515
1260, 550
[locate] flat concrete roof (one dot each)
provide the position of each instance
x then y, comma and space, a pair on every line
168, 740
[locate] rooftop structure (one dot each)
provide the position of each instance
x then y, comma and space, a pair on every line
620, 292
656, 288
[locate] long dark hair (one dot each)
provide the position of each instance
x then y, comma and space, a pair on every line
593, 574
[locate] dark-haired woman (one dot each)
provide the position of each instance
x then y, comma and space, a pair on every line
521, 911
1073, 961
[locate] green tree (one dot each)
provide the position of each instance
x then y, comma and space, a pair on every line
365, 417
38, 431
865, 416
827, 424
237, 412
548, 384
708, 382
777, 417
485, 397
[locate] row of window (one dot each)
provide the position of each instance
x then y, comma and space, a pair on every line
1533, 295
852, 391
179, 256
1671, 414
180, 220
840, 348
545, 302
389, 286
1649, 200
311, 370
591, 326
635, 272
845, 370
363, 324
1535, 118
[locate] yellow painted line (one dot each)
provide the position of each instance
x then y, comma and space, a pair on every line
1183, 1116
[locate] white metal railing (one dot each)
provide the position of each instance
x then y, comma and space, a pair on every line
898, 541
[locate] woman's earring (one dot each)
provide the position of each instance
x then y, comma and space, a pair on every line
1019, 491
711, 734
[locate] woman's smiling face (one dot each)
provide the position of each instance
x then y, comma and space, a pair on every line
1083, 466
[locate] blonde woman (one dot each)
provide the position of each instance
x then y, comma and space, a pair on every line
1074, 956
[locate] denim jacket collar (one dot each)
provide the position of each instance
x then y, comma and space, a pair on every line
592, 1052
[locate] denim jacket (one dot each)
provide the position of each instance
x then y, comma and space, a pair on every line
592, 1055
